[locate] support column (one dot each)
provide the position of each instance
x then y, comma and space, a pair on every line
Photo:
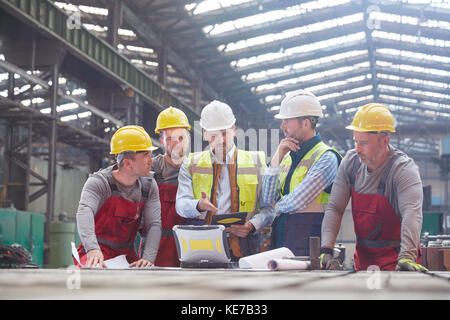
52, 145
114, 22
196, 97
162, 65
28, 162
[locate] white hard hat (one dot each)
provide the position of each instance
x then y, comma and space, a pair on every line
217, 116
299, 103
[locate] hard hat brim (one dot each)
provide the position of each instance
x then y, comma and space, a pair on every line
217, 128
152, 148
353, 128
158, 130
282, 117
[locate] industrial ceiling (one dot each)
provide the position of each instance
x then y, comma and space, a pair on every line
250, 53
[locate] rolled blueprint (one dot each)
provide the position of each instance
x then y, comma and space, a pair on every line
287, 264
260, 260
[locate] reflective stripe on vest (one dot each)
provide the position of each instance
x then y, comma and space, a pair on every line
319, 204
249, 175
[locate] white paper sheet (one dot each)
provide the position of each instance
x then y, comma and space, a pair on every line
260, 260
287, 264
119, 262
75, 253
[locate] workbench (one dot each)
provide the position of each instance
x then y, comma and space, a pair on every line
210, 284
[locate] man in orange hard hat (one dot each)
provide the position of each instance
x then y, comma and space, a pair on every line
173, 127
386, 191
118, 201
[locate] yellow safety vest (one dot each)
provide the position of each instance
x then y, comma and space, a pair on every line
250, 165
319, 204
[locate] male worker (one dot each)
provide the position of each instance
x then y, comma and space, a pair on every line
386, 191
301, 174
173, 127
223, 180
115, 202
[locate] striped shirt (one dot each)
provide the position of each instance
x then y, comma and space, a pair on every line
318, 178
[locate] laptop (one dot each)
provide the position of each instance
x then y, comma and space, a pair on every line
202, 246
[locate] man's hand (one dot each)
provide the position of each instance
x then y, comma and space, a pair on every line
329, 259
286, 145
204, 204
325, 259
142, 263
94, 258
241, 230
409, 265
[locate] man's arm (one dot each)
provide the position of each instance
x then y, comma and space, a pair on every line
339, 197
318, 178
264, 218
152, 219
94, 194
186, 204
270, 187
408, 188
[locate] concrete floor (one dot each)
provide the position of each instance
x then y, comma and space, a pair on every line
190, 284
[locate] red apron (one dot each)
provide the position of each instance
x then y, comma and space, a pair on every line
116, 225
377, 226
167, 253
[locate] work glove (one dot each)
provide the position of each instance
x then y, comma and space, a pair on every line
409, 265
325, 259
328, 261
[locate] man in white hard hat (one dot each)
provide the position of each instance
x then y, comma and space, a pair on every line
223, 180
301, 173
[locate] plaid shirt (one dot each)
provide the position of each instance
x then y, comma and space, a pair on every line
318, 178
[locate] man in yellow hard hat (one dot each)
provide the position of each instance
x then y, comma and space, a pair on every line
301, 174
386, 191
118, 201
222, 180
173, 127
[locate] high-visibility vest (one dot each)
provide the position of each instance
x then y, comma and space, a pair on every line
250, 166
319, 204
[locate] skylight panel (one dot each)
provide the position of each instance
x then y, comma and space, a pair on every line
407, 67
350, 101
28, 102
294, 32
415, 55
270, 16
432, 3
312, 76
87, 9
403, 99
410, 38
69, 118
325, 44
209, 5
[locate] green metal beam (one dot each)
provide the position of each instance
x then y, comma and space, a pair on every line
54, 22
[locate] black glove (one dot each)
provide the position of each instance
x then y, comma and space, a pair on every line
328, 261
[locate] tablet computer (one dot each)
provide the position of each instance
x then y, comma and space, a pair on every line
229, 218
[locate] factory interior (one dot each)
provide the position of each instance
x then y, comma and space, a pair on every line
72, 72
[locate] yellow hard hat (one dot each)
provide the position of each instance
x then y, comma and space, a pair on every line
172, 118
372, 117
131, 138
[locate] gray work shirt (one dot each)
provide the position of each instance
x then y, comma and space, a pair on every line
165, 173
96, 191
403, 191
